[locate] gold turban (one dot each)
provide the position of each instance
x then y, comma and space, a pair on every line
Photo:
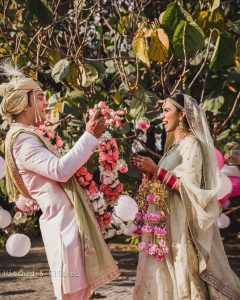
14, 95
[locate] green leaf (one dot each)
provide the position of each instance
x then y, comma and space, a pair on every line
198, 59
234, 26
133, 173
77, 97
99, 66
41, 10
137, 108
224, 135
89, 74
171, 17
213, 105
224, 52
60, 70
123, 24
237, 54
123, 130
194, 39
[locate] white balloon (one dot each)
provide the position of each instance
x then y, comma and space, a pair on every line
129, 228
223, 221
5, 218
231, 170
226, 187
126, 208
2, 168
18, 245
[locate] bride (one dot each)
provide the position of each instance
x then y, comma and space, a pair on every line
196, 266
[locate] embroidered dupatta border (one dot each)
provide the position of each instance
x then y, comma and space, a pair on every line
205, 274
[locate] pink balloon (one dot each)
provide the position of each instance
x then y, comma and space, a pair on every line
220, 158
223, 200
235, 186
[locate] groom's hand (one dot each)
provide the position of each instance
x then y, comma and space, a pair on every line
96, 125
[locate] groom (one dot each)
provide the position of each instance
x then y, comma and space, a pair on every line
78, 258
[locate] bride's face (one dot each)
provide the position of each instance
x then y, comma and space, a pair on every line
170, 116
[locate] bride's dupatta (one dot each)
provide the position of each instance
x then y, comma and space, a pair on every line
100, 267
202, 207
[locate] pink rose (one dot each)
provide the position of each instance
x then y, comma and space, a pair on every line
108, 191
102, 156
103, 187
112, 122
109, 157
50, 134
83, 171
88, 177
150, 197
113, 142
143, 123
101, 105
160, 258
59, 141
115, 155
92, 188
101, 147
121, 112
108, 145
123, 169
141, 246
108, 167
119, 187
119, 124
81, 180
114, 164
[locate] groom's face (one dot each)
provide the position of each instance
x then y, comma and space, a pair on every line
38, 104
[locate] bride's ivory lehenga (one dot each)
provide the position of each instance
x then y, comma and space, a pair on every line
196, 266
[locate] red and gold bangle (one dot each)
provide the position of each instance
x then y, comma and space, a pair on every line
167, 178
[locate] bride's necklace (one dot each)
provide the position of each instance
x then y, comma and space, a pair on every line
176, 144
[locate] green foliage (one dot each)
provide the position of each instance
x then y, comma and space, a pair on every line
60, 70
194, 38
224, 51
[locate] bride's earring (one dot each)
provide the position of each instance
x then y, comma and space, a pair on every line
181, 127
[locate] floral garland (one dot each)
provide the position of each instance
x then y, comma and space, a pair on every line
104, 198
151, 226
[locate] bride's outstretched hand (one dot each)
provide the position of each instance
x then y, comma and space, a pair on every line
143, 164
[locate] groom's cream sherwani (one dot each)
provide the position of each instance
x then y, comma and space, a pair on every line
41, 172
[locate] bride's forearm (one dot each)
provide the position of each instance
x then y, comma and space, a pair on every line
167, 178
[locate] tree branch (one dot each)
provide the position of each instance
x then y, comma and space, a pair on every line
205, 59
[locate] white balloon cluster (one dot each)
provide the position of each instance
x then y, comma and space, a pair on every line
17, 244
